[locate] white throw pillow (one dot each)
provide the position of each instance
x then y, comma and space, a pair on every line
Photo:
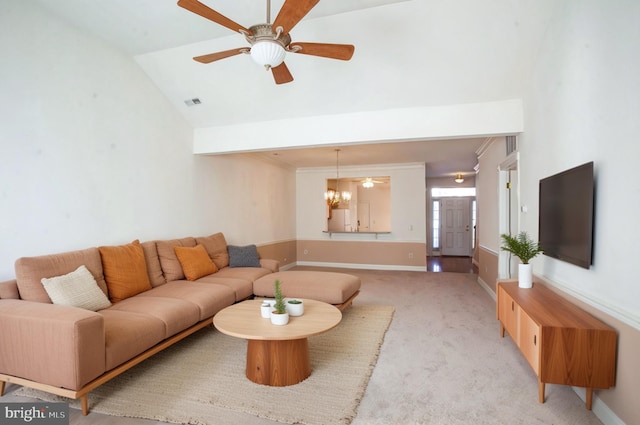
78, 289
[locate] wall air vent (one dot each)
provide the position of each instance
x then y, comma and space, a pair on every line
192, 102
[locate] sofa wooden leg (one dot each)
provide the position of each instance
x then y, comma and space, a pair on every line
2, 388
348, 302
84, 399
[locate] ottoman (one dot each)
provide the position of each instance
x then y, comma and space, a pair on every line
338, 289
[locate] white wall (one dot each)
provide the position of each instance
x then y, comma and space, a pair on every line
407, 200
91, 153
389, 125
583, 105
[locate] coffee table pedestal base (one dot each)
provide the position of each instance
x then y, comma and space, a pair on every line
278, 363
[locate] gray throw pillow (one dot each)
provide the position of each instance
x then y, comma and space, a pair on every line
243, 256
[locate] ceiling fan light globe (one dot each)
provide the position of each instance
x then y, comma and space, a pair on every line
267, 53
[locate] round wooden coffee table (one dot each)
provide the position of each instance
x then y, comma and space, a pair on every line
276, 355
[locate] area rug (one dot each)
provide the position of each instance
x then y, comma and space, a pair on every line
201, 380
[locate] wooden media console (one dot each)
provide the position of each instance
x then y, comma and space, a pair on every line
562, 343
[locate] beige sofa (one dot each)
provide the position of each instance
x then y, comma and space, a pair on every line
136, 299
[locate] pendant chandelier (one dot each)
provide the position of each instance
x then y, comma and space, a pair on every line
333, 196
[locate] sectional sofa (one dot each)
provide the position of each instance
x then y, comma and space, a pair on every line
71, 321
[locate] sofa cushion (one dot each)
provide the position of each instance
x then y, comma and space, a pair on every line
210, 298
216, 246
128, 334
154, 269
329, 287
76, 289
195, 261
31, 270
243, 288
272, 265
243, 256
176, 314
171, 267
246, 273
125, 270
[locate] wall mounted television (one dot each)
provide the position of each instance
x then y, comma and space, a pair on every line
566, 216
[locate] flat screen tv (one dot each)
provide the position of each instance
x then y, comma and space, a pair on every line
567, 215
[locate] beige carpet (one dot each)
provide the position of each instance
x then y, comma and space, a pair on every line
202, 379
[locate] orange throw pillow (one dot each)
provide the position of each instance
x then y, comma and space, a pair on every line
195, 261
125, 270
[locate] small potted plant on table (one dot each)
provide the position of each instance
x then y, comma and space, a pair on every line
525, 249
279, 315
295, 307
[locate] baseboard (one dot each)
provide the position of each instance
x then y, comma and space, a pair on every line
599, 408
487, 288
364, 266
287, 266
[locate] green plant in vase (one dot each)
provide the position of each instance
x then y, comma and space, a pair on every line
280, 306
525, 249
521, 246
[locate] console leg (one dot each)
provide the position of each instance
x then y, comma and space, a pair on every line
589, 398
541, 391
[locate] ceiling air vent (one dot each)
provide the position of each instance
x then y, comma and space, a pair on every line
192, 102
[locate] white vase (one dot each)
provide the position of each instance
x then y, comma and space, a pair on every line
295, 309
265, 310
279, 319
525, 276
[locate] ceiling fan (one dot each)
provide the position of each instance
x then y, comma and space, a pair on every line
368, 182
270, 42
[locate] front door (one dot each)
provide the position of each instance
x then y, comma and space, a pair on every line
456, 231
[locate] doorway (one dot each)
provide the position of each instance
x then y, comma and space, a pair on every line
509, 217
456, 227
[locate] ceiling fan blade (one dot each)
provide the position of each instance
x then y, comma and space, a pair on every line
292, 12
334, 51
212, 57
206, 12
281, 74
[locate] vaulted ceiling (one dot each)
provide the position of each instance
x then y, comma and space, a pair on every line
408, 53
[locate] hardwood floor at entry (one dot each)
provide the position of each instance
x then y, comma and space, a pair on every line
450, 264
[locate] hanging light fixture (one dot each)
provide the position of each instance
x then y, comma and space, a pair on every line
267, 53
334, 196
267, 43
367, 183
459, 178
